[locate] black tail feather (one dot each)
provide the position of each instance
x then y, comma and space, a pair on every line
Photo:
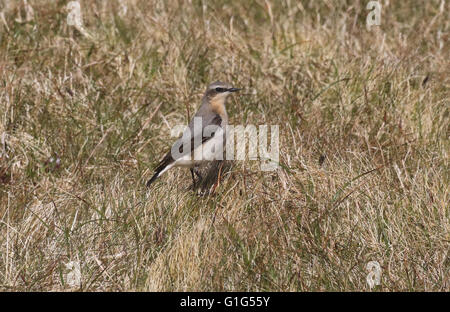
167, 160
153, 178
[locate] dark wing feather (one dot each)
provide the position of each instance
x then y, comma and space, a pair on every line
216, 121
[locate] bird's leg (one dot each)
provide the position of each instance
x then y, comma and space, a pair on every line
192, 174
197, 173
218, 179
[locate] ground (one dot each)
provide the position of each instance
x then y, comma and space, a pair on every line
86, 111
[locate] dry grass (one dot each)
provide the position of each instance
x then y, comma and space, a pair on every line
347, 100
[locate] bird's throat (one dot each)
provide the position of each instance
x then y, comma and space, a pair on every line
218, 106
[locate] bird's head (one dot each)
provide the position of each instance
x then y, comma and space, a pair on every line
218, 91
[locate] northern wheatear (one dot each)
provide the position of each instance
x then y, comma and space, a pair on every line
204, 137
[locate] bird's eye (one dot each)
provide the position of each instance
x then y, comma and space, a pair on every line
221, 89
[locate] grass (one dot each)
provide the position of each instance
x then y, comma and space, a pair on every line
364, 128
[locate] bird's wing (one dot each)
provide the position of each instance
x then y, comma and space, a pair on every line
197, 135
196, 140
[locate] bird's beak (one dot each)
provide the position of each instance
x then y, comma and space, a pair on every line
234, 89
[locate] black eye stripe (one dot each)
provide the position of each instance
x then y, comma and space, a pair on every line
221, 89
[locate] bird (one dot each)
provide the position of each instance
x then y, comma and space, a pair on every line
204, 137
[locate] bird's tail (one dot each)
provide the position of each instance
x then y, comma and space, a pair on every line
162, 166
153, 178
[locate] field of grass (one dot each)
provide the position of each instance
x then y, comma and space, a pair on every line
86, 113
